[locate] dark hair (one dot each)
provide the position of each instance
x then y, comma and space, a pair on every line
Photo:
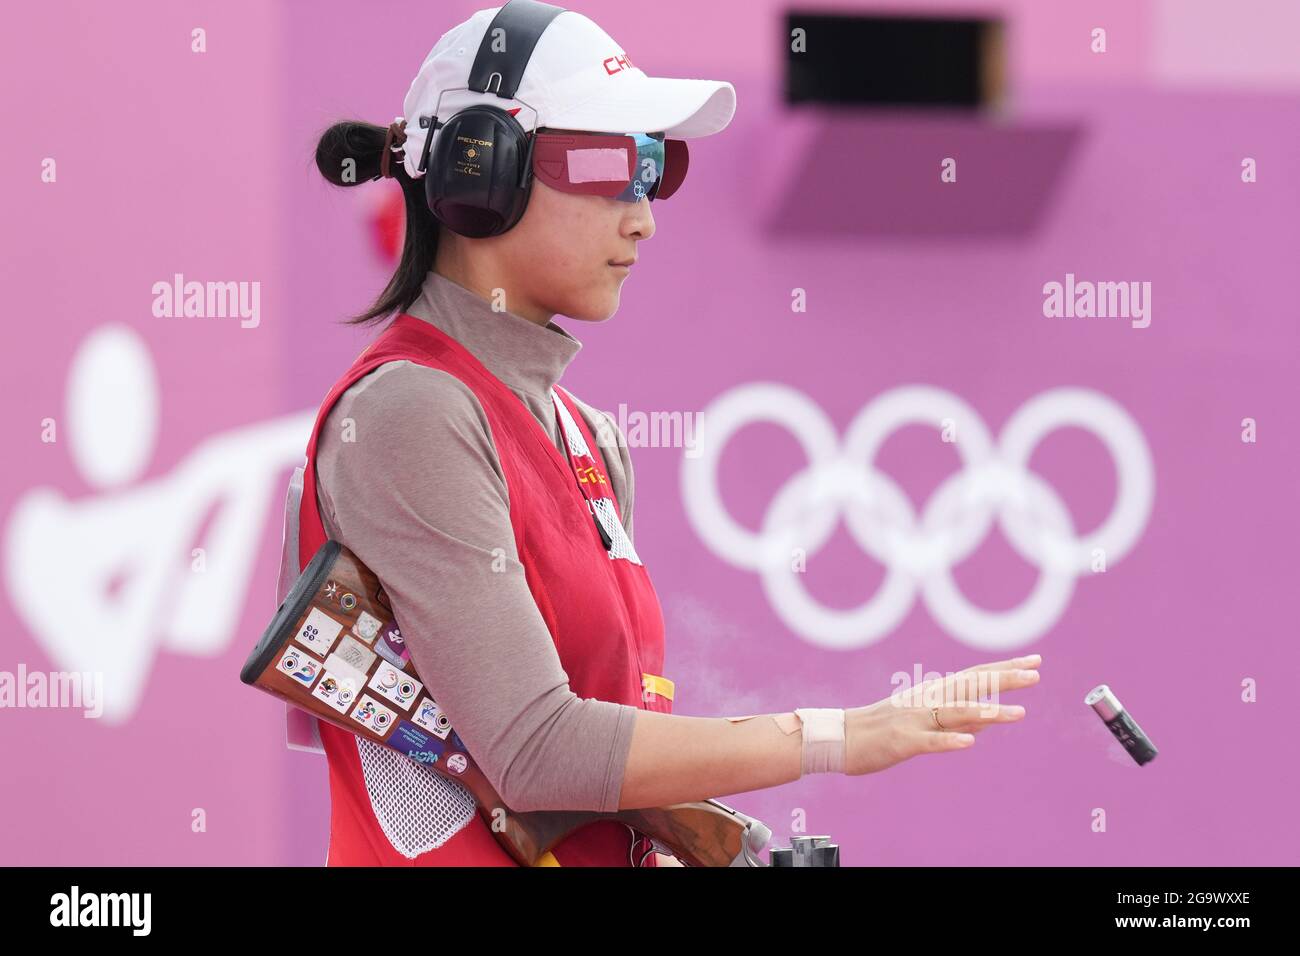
348, 154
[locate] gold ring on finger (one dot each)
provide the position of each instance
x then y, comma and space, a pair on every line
934, 712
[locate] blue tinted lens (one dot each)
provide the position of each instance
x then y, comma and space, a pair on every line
649, 167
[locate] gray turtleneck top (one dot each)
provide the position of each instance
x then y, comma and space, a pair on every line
418, 494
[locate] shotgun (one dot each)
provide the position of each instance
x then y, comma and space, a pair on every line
334, 650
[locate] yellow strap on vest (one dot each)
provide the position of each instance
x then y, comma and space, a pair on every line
657, 684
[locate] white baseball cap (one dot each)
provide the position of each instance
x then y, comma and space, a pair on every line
577, 78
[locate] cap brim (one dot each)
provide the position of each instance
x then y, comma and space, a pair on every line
681, 109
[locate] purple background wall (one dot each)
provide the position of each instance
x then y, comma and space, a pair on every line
1117, 167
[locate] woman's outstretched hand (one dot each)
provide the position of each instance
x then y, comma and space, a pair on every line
902, 725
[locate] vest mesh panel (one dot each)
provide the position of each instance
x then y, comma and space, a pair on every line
417, 808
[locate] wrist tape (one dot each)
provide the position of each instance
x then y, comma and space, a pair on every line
823, 736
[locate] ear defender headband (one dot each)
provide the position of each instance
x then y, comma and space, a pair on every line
477, 180
480, 173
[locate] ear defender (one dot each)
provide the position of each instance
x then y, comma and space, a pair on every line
478, 178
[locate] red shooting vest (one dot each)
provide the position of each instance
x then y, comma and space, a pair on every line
602, 611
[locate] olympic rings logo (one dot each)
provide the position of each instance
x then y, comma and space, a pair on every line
918, 552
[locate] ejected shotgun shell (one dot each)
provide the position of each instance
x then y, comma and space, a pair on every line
1119, 723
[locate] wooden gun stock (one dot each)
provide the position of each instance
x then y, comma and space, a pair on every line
334, 650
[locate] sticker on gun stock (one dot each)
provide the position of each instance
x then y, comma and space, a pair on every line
343, 670
367, 627
415, 743
299, 665
318, 632
337, 691
373, 715
355, 654
396, 685
431, 717
391, 647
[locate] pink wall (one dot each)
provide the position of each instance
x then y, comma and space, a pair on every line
162, 159
1119, 168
